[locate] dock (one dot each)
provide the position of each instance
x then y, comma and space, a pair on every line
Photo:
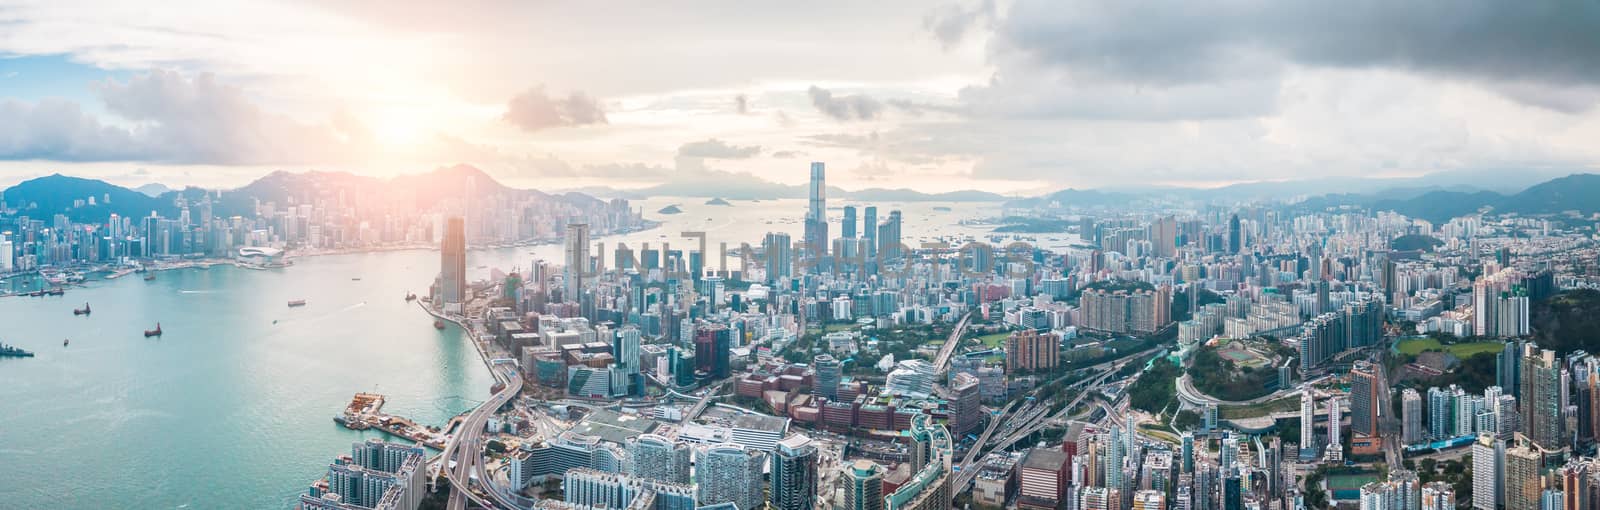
365, 411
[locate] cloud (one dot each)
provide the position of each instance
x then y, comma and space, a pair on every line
1161, 46
175, 119
59, 130
950, 23
787, 154
534, 110
849, 107
718, 149
741, 104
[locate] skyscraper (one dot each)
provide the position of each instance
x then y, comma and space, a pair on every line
965, 405
655, 457
779, 254
1438, 496
1541, 404
848, 228
453, 265
1308, 419
869, 229
889, 246
794, 474
1335, 443
1522, 478
1411, 431
728, 473
1488, 465
828, 374
1235, 242
817, 214
863, 488
1365, 402
577, 261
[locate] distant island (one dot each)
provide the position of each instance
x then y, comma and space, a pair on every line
941, 208
1021, 225
717, 201
671, 209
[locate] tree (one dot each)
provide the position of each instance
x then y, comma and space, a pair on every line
1186, 420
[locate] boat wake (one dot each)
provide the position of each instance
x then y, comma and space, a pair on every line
197, 292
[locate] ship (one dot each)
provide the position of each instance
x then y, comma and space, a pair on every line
411, 297
438, 324
297, 302
58, 291
149, 277
153, 332
12, 351
65, 341
82, 311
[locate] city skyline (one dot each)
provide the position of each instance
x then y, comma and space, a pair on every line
1002, 96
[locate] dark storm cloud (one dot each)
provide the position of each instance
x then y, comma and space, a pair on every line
1178, 42
534, 110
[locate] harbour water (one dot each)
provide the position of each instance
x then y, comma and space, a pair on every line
232, 407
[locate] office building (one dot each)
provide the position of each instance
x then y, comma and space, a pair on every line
453, 266
816, 223
863, 489
1365, 401
794, 474
829, 372
778, 253
966, 405
847, 229
577, 258
869, 230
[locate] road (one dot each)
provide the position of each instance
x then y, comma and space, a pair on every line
465, 448
1032, 422
941, 364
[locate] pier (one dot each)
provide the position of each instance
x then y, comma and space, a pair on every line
365, 411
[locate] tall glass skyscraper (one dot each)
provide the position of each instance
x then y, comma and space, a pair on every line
794, 474
453, 264
817, 213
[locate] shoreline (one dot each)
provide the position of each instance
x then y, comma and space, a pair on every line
114, 272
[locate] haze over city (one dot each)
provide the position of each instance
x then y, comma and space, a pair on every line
974, 255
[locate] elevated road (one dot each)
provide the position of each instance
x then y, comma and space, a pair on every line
941, 363
465, 449
1031, 421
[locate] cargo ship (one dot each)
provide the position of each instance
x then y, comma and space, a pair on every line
11, 351
82, 311
296, 302
153, 332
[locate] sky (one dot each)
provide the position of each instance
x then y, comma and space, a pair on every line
1015, 97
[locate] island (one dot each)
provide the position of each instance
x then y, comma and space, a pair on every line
717, 201
671, 209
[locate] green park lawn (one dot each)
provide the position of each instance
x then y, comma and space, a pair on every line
1461, 350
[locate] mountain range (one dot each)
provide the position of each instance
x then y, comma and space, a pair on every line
47, 196
1436, 199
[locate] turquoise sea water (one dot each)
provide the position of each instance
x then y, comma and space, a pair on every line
226, 409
